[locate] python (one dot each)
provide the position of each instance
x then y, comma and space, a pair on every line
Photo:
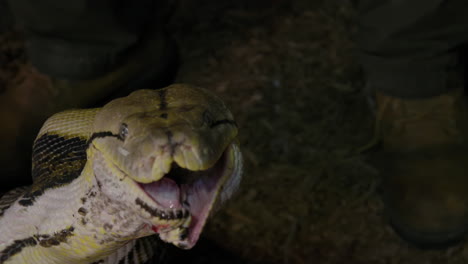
110, 183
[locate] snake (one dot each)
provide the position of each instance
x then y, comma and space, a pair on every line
113, 183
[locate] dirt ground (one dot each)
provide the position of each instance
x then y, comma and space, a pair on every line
287, 70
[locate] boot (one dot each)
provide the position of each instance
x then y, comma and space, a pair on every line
424, 166
32, 97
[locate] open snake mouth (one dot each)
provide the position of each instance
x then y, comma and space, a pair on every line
177, 205
184, 199
181, 191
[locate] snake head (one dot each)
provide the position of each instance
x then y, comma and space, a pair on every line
169, 153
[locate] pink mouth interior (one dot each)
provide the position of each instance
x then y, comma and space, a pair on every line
165, 192
194, 190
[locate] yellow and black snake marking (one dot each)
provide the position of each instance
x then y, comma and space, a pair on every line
110, 183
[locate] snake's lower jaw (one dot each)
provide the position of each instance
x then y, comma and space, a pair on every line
198, 192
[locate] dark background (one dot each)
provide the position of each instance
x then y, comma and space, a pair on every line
287, 70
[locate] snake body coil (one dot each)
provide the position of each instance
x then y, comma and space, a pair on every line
109, 183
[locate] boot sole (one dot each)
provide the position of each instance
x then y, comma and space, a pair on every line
428, 240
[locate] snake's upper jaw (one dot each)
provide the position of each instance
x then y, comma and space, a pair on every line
199, 192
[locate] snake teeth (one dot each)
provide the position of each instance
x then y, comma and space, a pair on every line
163, 217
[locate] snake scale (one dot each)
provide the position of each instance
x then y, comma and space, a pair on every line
110, 183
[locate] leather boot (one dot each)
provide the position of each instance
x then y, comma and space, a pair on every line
32, 97
424, 166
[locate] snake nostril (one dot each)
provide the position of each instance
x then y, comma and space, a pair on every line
145, 165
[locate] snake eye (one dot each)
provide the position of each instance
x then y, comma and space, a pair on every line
123, 132
208, 118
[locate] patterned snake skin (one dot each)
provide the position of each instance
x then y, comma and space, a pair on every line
110, 183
